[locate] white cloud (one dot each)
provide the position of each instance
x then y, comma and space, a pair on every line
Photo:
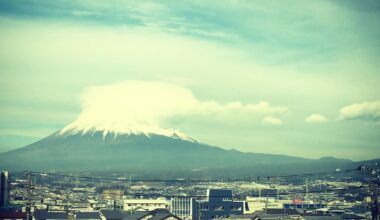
261, 108
272, 121
363, 110
315, 118
134, 102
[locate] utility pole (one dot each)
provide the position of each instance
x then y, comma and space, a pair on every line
42, 188
199, 211
259, 192
76, 181
130, 185
307, 189
277, 187
29, 195
377, 195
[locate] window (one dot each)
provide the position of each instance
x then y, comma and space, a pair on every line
235, 208
219, 208
203, 207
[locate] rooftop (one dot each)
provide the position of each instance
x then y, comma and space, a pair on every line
113, 214
87, 215
51, 215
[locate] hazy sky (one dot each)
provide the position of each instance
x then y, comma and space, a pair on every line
287, 77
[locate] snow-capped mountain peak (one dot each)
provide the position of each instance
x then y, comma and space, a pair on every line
138, 127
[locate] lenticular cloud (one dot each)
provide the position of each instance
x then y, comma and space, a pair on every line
143, 105
135, 102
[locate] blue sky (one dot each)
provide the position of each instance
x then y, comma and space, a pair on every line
287, 77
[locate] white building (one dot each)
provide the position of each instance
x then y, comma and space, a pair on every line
182, 207
145, 204
260, 203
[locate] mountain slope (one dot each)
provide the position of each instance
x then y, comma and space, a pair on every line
151, 154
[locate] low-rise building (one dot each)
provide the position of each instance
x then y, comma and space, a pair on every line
256, 204
219, 204
183, 207
145, 204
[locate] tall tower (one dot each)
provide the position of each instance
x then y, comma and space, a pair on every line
4, 188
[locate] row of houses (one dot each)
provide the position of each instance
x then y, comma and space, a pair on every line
158, 214
217, 204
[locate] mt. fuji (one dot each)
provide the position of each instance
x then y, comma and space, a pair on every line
120, 129
148, 150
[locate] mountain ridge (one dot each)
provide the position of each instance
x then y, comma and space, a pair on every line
153, 155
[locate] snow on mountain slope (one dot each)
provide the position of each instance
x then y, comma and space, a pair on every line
138, 127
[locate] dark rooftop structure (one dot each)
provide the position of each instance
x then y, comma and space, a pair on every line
87, 215
220, 194
321, 217
113, 214
282, 212
352, 217
163, 216
157, 214
12, 215
137, 215
269, 214
50, 215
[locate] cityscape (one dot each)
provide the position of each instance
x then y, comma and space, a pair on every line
340, 194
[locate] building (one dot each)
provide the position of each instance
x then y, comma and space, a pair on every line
220, 204
113, 198
145, 204
112, 194
256, 204
4, 188
283, 212
182, 207
304, 206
